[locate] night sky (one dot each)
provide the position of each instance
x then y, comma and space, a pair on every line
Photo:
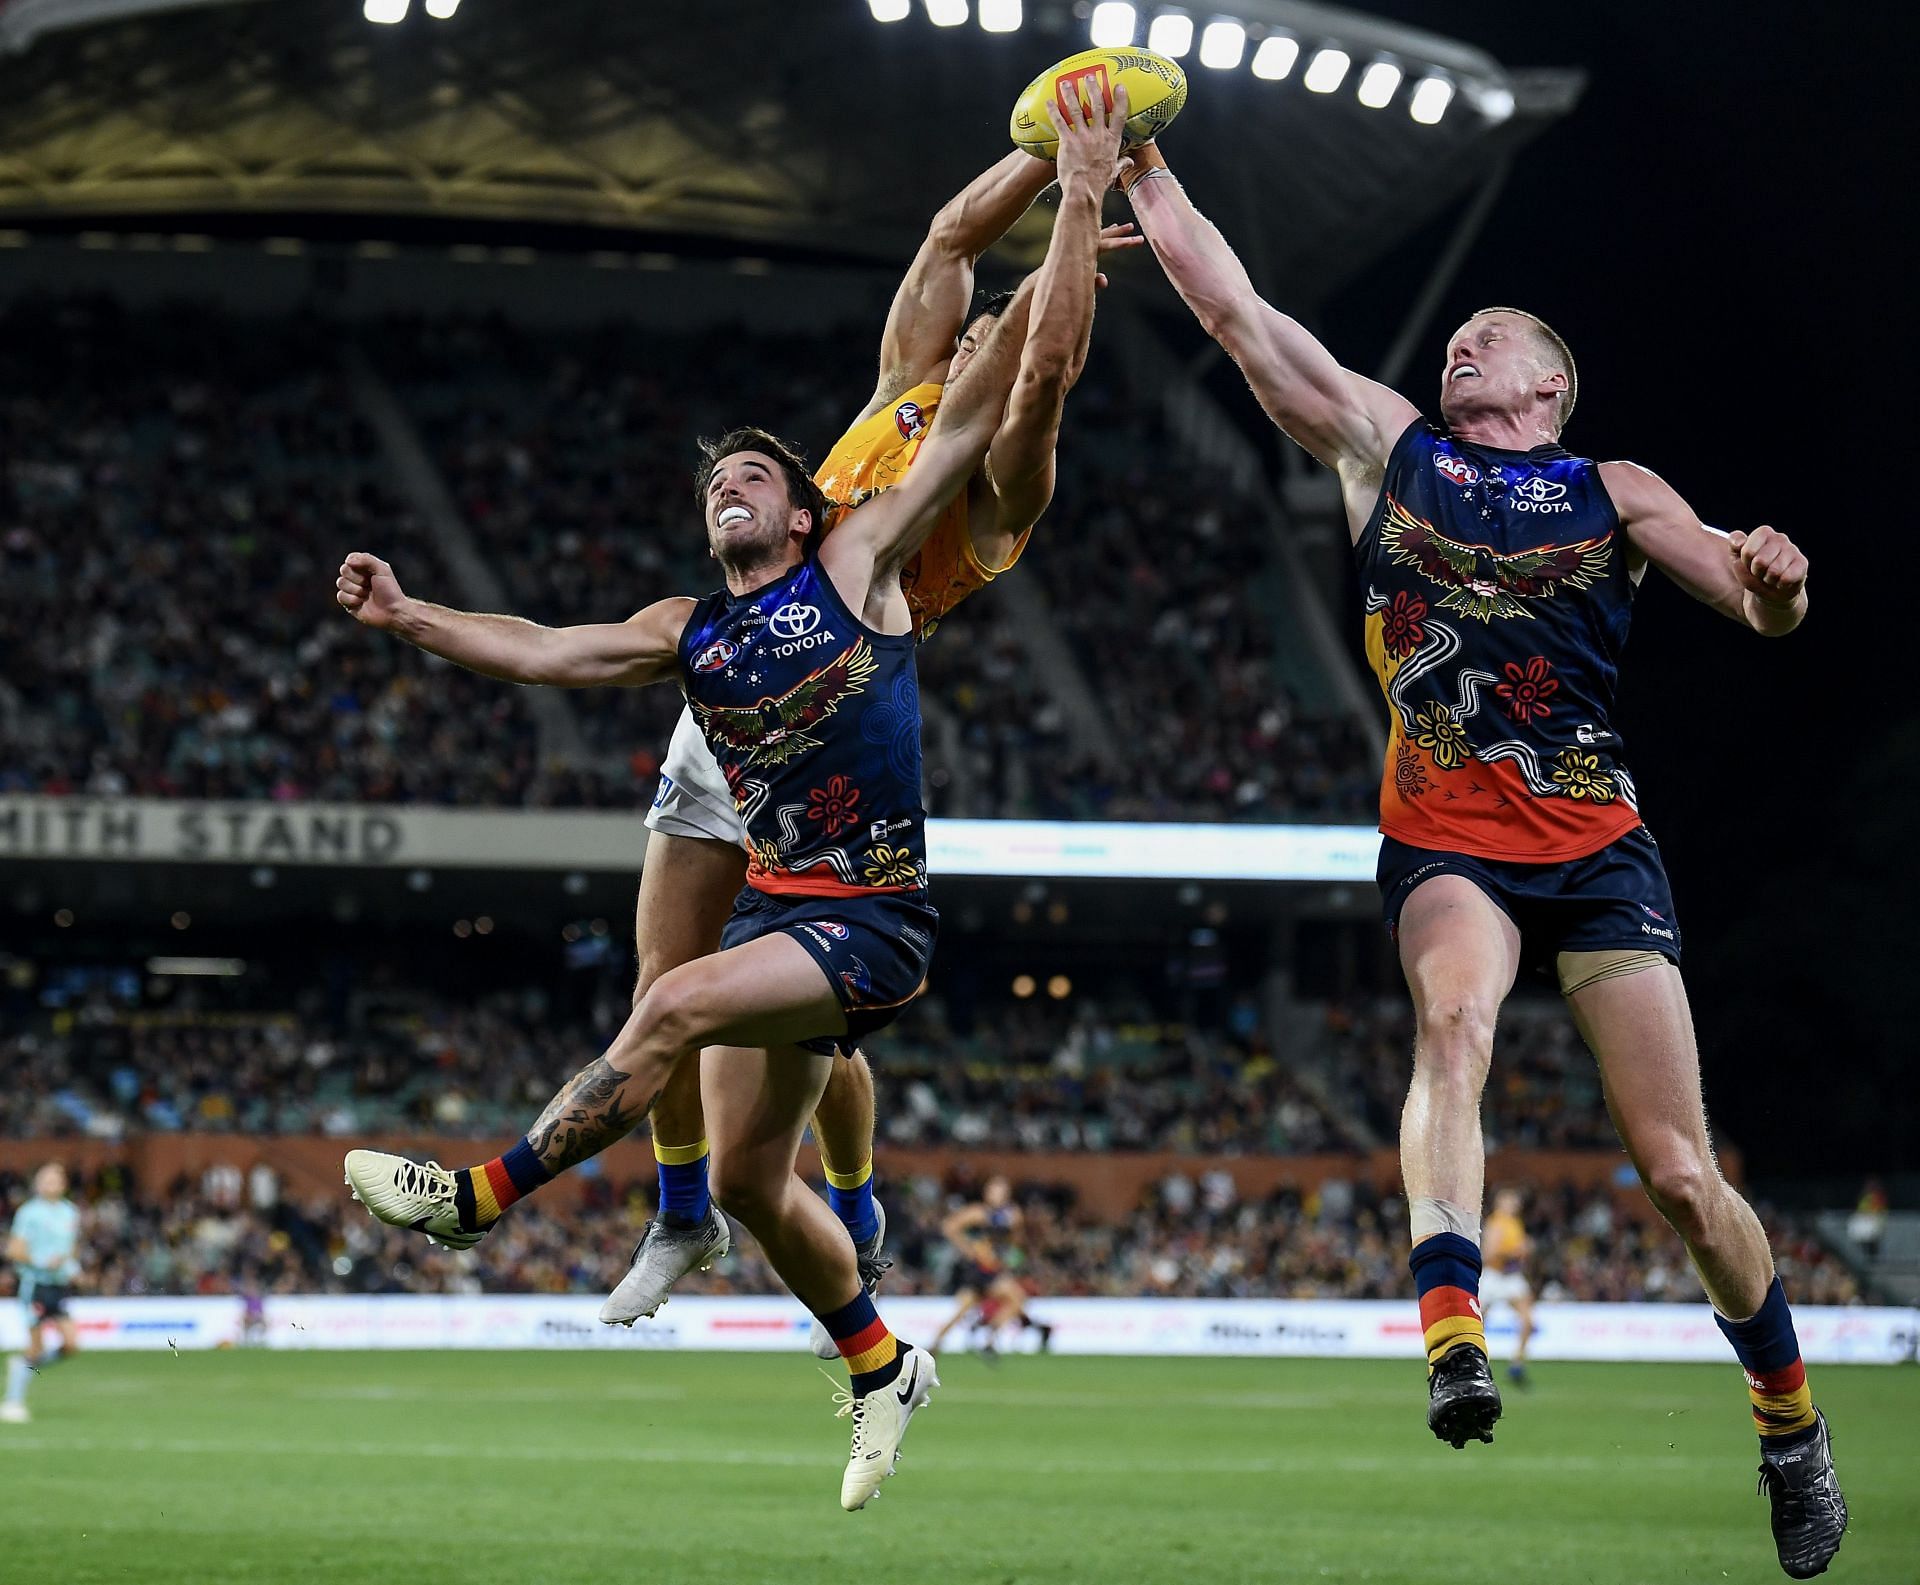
1720, 230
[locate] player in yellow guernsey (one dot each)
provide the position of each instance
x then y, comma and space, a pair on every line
1504, 1246
695, 860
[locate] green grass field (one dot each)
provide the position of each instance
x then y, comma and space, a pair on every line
631, 1468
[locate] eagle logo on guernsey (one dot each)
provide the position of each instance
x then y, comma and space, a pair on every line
910, 419
1457, 469
1484, 583
775, 730
715, 655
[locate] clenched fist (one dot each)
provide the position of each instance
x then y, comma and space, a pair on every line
1768, 565
369, 590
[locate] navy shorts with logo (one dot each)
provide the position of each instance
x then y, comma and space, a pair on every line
1615, 900
49, 1301
875, 951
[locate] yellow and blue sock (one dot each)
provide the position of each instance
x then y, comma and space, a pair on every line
482, 1193
684, 1199
1446, 1275
851, 1196
1769, 1353
872, 1352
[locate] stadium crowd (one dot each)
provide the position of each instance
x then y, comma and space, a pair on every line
1027, 1075
178, 487
235, 1232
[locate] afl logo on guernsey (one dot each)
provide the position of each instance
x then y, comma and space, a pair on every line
1535, 494
909, 419
715, 655
1457, 469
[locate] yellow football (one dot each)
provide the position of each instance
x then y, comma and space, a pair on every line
1156, 89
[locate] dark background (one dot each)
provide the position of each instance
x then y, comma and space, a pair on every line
1721, 230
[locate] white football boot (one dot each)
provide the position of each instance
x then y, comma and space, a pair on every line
880, 1425
872, 1269
405, 1193
14, 1413
663, 1256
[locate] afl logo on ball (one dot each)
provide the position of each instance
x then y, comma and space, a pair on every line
910, 419
715, 655
1457, 469
794, 621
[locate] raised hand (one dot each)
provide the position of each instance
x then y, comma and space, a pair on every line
1090, 132
368, 590
1768, 565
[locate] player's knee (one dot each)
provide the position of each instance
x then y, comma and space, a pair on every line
748, 1197
672, 1016
1684, 1188
1456, 1033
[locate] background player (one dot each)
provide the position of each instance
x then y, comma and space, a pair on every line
987, 1237
1500, 573
44, 1247
1504, 1250
696, 861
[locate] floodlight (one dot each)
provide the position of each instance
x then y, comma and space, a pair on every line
1222, 43
1113, 23
1275, 57
1378, 84
1431, 96
1327, 70
1000, 16
1171, 34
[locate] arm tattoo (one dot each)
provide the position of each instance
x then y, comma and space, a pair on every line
592, 1110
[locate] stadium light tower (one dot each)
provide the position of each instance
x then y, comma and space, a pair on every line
1171, 34
1000, 16
1378, 84
387, 11
1113, 24
1222, 42
1275, 57
889, 10
1327, 70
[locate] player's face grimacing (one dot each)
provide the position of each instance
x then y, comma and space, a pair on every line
749, 508
971, 340
1494, 365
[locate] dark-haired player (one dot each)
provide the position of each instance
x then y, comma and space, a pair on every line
800, 673
1499, 572
696, 856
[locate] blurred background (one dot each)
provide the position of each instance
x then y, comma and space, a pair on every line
459, 282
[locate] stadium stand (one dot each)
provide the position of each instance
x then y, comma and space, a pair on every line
215, 469
231, 1232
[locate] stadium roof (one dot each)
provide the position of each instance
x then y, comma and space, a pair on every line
795, 128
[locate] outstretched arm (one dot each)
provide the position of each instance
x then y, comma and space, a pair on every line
1757, 579
1344, 419
642, 649
930, 309
1020, 463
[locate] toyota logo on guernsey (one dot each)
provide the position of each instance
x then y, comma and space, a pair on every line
800, 626
1535, 494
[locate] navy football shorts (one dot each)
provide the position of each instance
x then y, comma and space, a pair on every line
874, 951
1615, 900
49, 1302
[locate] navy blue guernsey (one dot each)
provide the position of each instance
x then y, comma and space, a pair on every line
815, 721
1498, 596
